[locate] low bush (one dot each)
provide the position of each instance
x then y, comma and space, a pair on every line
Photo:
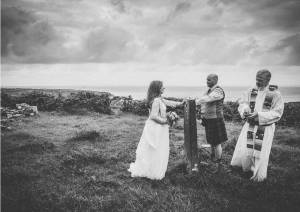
291, 114
82, 102
231, 112
79, 102
139, 107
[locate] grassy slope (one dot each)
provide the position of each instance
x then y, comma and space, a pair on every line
59, 162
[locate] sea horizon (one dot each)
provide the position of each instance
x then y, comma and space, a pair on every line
232, 93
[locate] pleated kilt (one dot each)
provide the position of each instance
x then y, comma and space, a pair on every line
215, 130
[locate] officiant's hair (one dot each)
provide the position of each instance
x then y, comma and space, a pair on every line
153, 91
264, 73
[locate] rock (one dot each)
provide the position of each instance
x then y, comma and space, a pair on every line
27, 108
93, 178
8, 114
3, 127
34, 109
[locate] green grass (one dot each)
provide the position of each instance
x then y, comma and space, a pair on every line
59, 162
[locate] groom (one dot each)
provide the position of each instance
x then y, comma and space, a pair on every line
213, 119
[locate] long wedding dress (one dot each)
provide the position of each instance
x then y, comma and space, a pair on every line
152, 152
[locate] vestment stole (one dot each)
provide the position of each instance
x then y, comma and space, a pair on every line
255, 133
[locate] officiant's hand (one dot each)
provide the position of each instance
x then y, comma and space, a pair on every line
247, 112
253, 115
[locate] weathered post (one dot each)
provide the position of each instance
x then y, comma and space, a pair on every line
190, 133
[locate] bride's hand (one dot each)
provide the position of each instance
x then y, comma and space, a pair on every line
165, 122
185, 100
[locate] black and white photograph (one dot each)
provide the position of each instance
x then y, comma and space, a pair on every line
150, 105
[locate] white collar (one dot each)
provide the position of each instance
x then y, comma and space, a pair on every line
263, 89
213, 87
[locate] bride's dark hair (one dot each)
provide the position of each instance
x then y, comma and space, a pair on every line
154, 91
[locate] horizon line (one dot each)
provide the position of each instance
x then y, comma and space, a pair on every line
137, 86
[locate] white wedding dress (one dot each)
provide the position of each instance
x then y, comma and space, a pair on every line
152, 152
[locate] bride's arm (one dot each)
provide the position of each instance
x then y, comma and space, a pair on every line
155, 115
171, 103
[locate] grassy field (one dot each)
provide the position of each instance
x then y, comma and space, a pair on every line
60, 162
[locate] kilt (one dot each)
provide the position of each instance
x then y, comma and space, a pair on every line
215, 131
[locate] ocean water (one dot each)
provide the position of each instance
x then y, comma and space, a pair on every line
290, 94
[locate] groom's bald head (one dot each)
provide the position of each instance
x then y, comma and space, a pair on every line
212, 80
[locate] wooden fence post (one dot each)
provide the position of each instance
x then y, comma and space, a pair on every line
190, 133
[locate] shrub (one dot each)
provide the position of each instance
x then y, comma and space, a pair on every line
84, 101
87, 101
231, 112
79, 102
7, 100
44, 102
291, 114
138, 107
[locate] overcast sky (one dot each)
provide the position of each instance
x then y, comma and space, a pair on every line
141, 40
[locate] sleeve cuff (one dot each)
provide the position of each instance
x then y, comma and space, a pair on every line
262, 120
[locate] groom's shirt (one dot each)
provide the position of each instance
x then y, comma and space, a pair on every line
212, 102
212, 94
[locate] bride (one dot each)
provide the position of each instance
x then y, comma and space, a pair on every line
152, 152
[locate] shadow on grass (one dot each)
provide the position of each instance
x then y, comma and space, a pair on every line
76, 161
91, 135
26, 143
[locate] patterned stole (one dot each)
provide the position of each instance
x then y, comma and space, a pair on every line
255, 133
255, 136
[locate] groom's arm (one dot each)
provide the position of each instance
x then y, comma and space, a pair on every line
215, 95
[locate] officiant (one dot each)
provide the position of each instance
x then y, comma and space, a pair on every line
261, 106
212, 116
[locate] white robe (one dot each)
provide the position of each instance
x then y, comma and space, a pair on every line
152, 154
265, 117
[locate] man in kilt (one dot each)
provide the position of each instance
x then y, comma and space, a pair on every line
212, 116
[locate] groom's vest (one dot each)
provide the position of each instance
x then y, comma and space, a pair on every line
255, 133
214, 109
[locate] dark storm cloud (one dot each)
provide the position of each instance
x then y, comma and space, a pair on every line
119, 5
108, 45
290, 44
13, 22
180, 8
208, 31
268, 14
25, 38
